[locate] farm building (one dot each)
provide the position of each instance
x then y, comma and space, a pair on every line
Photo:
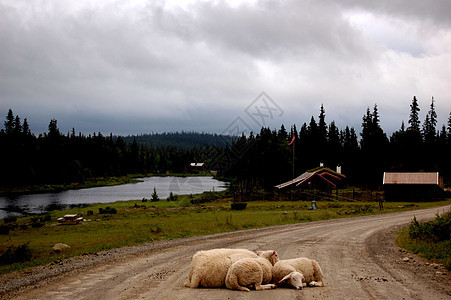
418, 186
323, 179
195, 167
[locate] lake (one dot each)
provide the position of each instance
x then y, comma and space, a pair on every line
42, 203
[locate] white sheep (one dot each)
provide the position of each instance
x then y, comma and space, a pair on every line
298, 272
252, 272
209, 268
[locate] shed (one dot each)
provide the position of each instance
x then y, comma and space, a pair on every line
415, 186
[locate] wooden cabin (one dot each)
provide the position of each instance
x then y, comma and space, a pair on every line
419, 186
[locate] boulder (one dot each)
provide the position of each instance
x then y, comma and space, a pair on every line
60, 247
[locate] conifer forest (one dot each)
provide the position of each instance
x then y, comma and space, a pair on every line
265, 157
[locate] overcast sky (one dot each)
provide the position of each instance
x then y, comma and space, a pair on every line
131, 67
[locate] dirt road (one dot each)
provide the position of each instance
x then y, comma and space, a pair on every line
357, 255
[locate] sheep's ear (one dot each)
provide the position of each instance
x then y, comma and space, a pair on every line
259, 253
303, 279
285, 278
274, 253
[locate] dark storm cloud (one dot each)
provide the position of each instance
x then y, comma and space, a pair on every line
136, 66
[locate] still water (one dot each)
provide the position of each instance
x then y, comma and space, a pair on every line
41, 203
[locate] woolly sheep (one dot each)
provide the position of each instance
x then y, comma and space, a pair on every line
209, 268
252, 272
297, 271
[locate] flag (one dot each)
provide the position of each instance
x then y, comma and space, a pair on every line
292, 140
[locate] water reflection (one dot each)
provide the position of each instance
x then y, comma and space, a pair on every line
41, 203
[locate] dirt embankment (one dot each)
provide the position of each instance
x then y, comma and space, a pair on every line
358, 257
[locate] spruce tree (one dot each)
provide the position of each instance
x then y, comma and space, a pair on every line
17, 126
9, 123
414, 119
430, 123
26, 128
322, 126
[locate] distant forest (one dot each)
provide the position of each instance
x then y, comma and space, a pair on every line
264, 158
180, 140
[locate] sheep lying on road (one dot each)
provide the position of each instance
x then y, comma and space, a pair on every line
252, 272
209, 268
297, 271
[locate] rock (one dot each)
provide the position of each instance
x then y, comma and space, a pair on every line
435, 266
60, 247
406, 259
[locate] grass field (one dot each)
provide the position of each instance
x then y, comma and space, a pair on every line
139, 222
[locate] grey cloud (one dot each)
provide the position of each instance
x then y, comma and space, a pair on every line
150, 68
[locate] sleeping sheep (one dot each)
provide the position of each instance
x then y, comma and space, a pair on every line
298, 272
209, 268
252, 272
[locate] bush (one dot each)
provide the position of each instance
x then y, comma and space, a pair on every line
16, 254
4, 229
172, 197
10, 219
37, 224
238, 205
89, 213
154, 197
107, 210
438, 229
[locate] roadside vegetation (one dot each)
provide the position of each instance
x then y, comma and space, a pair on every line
431, 240
28, 241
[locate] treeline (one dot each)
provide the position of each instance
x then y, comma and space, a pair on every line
55, 158
268, 158
180, 140
259, 159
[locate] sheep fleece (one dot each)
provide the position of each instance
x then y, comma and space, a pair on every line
307, 267
249, 272
209, 268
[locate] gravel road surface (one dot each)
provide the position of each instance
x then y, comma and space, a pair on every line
357, 255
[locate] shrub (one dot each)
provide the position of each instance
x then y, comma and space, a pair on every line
37, 224
172, 197
239, 205
438, 229
16, 254
154, 197
10, 219
89, 213
107, 210
4, 229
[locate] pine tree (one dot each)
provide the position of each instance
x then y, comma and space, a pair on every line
414, 120
53, 129
367, 125
9, 123
154, 197
429, 126
449, 129
322, 127
17, 127
26, 128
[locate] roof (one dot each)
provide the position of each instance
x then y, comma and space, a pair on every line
298, 179
432, 178
197, 164
307, 176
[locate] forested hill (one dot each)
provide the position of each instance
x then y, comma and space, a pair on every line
181, 140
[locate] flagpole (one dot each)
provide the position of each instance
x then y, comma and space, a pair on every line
294, 142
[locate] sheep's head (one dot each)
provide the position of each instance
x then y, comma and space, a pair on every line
294, 279
270, 255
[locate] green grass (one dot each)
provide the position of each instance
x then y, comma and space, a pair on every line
138, 222
431, 240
